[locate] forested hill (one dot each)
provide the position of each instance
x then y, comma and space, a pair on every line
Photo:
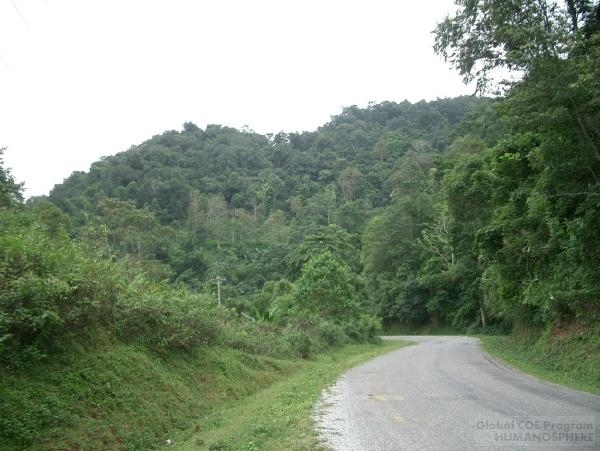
464, 211
476, 214
352, 158
253, 208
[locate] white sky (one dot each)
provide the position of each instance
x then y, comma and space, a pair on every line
81, 79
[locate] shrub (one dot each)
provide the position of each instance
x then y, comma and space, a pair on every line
331, 334
326, 287
164, 318
364, 328
39, 280
301, 343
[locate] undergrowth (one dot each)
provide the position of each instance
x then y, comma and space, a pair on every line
118, 396
567, 354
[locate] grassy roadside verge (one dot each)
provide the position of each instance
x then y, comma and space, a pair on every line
279, 417
572, 360
116, 396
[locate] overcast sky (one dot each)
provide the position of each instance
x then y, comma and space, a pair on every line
85, 79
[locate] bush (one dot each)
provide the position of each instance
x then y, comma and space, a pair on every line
52, 289
301, 343
249, 336
39, 281
331, 334
326, 287
163, 318
501, 328
364, 328
298, 338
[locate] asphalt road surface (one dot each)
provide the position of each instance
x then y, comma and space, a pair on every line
446, 393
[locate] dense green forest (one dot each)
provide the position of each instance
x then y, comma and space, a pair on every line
477, 213
253, 209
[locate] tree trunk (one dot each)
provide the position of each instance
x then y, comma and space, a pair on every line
572, 9
483, 321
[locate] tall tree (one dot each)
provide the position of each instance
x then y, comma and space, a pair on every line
540, 242
485, 35
327, 287
10, 191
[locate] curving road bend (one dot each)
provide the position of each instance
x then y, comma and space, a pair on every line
446, 393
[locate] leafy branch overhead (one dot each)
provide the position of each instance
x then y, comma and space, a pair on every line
517, 35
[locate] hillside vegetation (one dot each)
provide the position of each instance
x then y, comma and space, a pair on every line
476, 214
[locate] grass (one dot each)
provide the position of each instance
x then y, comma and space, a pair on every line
120, 397
568, 356
279, 417
115, 396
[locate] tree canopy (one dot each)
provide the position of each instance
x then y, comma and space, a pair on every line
468, 211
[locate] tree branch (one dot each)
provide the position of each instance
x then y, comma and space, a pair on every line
583, 193
584, 129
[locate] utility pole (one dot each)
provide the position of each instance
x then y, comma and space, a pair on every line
219, 280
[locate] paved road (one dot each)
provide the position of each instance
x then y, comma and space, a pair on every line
445, 393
